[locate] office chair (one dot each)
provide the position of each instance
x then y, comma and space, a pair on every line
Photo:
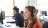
22, 12
37, 11
45, 25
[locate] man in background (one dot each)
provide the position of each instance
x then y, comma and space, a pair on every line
18, 16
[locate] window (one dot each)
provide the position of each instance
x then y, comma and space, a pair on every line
21, 4
7, 6
42, 5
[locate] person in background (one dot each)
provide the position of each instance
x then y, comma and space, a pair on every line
15, 12
19, 17
31, 18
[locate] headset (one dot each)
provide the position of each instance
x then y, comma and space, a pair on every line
32, 14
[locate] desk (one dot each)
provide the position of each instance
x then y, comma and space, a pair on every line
13, 25
43, 19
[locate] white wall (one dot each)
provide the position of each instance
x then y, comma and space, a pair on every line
33, 3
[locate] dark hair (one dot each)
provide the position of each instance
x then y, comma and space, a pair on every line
17, 9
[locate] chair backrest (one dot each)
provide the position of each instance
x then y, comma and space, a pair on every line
22, 12
45, 25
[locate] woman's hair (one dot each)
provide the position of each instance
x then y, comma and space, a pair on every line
31, 9
16, 9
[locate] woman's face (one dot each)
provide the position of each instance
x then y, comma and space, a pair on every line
14, 12
27, 13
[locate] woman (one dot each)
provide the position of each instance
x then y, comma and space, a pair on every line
31, 18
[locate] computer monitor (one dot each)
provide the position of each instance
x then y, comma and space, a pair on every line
44, 13
1, 20
2, 16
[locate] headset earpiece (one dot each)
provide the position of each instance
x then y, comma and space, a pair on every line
32, 14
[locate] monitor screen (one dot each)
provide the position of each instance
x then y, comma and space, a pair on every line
3, 14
